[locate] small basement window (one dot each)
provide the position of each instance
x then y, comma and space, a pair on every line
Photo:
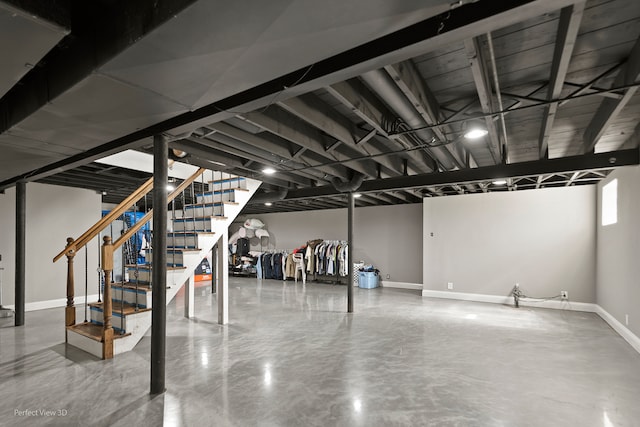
610, 203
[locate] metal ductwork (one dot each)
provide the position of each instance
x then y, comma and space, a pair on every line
386, 89
348, 187
271, 196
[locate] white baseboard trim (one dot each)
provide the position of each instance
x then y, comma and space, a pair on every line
501, 299
621, 329
53, 303
401, 285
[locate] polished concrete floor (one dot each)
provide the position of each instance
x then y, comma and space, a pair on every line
291, 356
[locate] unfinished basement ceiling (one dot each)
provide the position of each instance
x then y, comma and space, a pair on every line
328, 96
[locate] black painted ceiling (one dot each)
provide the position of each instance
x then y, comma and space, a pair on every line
373, 91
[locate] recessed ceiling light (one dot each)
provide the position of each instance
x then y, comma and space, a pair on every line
356, 195
499, 182
268, 203
170, 187
268, 171
475, 133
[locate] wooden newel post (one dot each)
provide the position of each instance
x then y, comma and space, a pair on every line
107, 267
70, 310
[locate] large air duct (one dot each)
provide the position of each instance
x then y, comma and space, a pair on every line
383, 85
348, 187
271, 196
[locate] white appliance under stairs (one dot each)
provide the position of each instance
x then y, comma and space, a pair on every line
192, 234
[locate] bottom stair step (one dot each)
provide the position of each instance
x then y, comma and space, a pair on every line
91, 330
118, 308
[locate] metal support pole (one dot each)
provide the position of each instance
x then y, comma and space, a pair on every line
21, 227
223, 279
189, 297
159, 272
214, 268
351, 258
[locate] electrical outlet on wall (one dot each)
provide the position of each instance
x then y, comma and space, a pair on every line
564, 295
388, 276
450, 286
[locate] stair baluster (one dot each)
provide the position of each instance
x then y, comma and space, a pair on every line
86, 281
107, 267
70, 310
173, 231
99, 270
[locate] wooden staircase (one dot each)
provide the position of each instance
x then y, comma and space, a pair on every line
192, 233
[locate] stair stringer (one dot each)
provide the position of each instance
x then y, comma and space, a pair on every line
176, 279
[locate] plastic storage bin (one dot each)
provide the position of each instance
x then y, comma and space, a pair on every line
367, 279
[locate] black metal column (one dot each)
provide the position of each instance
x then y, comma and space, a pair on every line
214, 268
351, 247
159, 266
21, 256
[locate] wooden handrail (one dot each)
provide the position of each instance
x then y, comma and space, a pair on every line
138, 225
107, 219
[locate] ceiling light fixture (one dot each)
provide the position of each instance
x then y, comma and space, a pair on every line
499, 182
475, 130
268, 203
268, 171
178, 153
170, 187
356, 195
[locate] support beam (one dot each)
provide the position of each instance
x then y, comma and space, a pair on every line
249, 153
314, 111
609, 160
189, 297
222, 289
159, 272
569, 23
244, 144
633, 140
283, 124
351, 243
610, 108
573, 178
483, 87
21, 251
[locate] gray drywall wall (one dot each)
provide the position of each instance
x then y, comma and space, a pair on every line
486, 243
389, 237
53, 214
618, 253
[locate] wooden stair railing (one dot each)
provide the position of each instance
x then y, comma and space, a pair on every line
106, 254
147, 217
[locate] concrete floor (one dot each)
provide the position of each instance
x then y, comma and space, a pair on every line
291, 356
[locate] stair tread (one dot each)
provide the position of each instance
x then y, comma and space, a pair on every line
130, 285
93, 331
181, 249
222, 190
190, 232
200, 217
118, 307
235, 178
146, 267
210, 204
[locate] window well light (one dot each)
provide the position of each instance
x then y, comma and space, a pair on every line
268, 171
499, 182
